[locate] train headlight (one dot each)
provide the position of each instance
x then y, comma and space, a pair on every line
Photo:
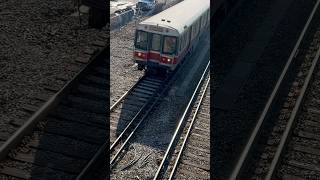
168, 59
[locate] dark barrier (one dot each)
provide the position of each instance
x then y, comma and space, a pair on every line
97, 18
98, 4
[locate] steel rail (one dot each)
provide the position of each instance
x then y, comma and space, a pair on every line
167, 82
189, 130
90, 165
116, 142
119, 138
293, 117
130, 135
125, 94
238, 170
158, 173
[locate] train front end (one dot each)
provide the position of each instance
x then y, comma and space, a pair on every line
155, 47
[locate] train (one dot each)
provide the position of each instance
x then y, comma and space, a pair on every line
163, 40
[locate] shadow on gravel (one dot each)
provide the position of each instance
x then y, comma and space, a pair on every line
72, 134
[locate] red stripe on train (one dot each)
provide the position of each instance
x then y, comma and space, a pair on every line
155, 56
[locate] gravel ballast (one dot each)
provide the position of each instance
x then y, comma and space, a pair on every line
39, 41
123, 71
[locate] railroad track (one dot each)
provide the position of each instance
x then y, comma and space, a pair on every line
269, 140
194, 160
121, 140
130, 110
191, 130
131, 104
60, 139
298, 157
120, 152
124, 119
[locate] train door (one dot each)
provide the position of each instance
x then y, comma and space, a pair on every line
169, 50
155, 47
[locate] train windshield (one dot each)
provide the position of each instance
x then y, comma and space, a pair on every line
155, 42
169, 45
141, 40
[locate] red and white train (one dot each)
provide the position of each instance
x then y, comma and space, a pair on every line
163, 40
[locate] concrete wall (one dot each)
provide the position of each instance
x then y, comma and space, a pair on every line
121, 19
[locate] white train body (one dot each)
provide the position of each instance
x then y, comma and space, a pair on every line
163, 40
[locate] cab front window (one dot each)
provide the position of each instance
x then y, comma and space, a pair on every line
141, 41
169, 45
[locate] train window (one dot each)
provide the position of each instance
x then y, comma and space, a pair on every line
169, 45
155, 42
193, 32
189, 36
204, 19
141, 40
183, 41
195, 29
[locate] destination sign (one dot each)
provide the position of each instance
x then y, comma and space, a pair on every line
156, 28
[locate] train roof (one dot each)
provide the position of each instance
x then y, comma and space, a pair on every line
180, 15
